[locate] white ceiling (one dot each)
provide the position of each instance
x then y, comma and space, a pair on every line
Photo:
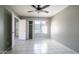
22, 10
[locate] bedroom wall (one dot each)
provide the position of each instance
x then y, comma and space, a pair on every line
65, 27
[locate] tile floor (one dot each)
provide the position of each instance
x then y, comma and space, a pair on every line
44, 46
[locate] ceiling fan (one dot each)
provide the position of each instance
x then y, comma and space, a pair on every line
39, 8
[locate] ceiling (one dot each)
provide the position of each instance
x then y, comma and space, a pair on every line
22, 10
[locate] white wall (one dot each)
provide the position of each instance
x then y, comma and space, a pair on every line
22, 29
65, 27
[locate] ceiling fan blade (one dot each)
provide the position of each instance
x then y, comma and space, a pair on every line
34, 6
44, 11
30, 11
45, 6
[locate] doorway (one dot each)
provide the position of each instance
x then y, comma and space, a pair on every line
16, 28
30, 29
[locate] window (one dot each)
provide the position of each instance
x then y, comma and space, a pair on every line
37, 26
40, 27
43, 27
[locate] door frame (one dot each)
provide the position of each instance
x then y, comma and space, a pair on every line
27, 29
13, 27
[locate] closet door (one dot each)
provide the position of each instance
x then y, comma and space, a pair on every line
30, 29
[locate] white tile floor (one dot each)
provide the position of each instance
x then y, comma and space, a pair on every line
45, 46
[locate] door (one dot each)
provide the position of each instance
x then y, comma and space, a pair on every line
30, 29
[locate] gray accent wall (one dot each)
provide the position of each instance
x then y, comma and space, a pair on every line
5, 29
65, 27
1, 29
